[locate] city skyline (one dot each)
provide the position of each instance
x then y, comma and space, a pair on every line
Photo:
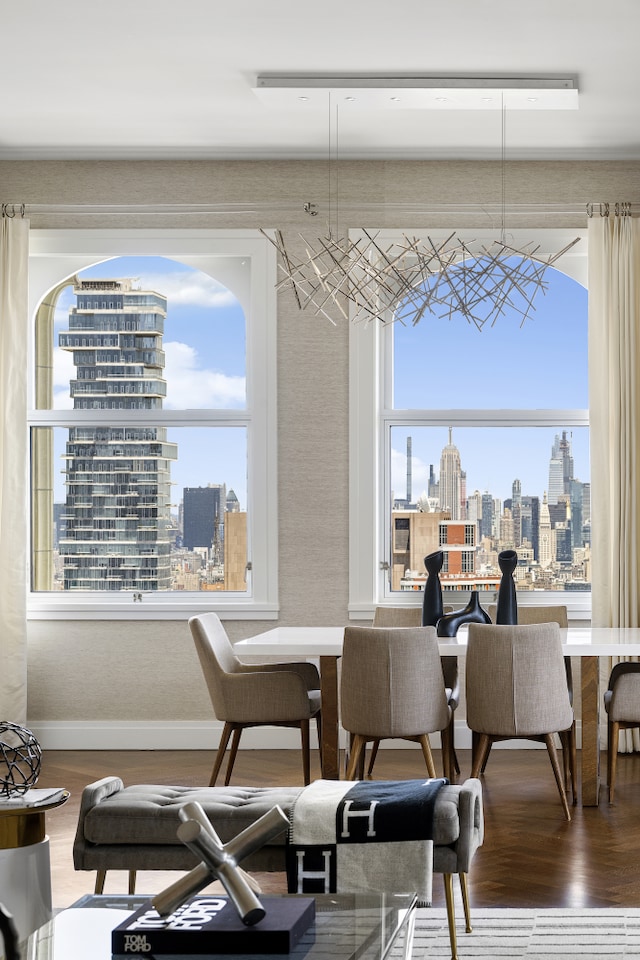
539, 365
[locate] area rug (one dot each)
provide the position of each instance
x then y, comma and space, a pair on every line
593, 934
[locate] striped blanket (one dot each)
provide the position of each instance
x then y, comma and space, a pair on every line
363, 836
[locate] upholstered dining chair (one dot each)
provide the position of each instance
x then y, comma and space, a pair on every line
553, 613
516, 688
622, 703
412, 617
254, 694
392, 687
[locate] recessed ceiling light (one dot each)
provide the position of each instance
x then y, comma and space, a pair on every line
532, 99
303, 98
442, 99
350, 99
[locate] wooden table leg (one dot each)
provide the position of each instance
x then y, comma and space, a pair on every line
330, 722
590, 685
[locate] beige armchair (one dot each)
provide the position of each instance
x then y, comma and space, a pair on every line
622, 703
412, 617
252, 694
554, 613
516, 688
392, 687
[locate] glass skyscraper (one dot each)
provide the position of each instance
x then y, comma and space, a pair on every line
117, 514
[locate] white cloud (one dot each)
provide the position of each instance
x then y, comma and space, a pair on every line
191, 388
191, 287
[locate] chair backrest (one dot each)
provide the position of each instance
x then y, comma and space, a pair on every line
556, 613
397, 617
391, 682
216, 655
516, 683
400, 616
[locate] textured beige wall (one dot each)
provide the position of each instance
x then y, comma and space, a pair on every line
148, 671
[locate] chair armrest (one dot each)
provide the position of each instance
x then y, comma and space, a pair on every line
265, 696
471, 815
308, 672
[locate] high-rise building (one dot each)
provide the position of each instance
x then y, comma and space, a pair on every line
449, 488
547, 536
486, 519
530, 523
560, 468
516, 511
203, 518
117, 516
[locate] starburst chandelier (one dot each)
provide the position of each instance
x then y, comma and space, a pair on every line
369, 279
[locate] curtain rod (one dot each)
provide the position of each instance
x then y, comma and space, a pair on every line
592, 208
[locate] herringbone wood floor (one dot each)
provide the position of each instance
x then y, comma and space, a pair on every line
531, 857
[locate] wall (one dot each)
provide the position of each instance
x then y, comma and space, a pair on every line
132, 683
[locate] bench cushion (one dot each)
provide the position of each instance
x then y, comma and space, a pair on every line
148, 813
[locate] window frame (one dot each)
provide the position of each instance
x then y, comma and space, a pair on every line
372, 417
55, 254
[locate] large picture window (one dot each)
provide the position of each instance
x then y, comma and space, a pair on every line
152, 424
475, 442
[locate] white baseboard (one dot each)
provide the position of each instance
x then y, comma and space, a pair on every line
203, 735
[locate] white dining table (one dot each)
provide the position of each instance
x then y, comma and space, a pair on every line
590, 644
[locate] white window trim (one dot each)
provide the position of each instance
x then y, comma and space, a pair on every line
370, 425
55, 254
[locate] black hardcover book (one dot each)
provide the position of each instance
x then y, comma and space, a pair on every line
210, 925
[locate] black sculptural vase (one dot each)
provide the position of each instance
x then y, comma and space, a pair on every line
432, 601
448, 625
507, 611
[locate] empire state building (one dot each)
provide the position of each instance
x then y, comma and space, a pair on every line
450, 489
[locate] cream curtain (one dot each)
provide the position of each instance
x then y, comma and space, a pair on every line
14, 252
614, 389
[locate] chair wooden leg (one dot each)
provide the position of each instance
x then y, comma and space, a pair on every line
132, 882
101, 876
426, 753
357, 748
451, 914
613, 729
553, 756
372, 759
480, 752
464, 888
306, 755
224, 740
235, 743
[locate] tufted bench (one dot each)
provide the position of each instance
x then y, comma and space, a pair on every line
134, 828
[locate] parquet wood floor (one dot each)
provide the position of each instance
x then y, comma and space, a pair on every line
531, 857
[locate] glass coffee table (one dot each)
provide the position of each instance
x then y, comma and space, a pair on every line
346, 927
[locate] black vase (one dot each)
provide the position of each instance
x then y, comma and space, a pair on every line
432, 600
507, 611
448, 625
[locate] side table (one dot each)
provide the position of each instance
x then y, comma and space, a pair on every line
25, 869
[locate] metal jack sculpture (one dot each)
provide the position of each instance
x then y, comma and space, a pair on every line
220, 861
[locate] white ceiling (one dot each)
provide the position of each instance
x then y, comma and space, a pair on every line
156, 79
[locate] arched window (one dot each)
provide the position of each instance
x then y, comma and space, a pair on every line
190, 387
475, 427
